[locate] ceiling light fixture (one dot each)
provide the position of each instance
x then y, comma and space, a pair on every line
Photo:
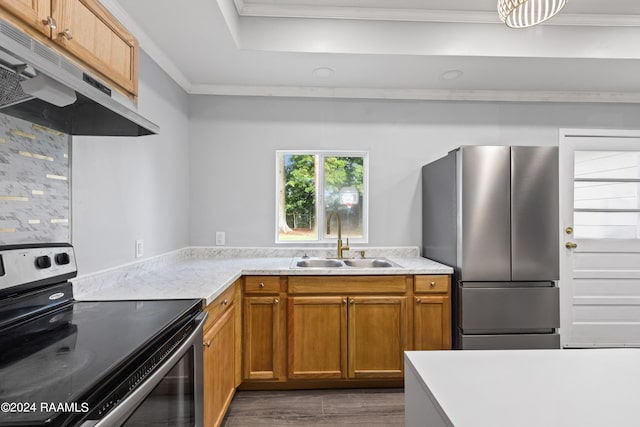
322, 72
527, 13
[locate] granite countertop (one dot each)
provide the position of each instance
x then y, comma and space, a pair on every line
208, 278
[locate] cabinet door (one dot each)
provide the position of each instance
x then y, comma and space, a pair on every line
377, 336
432, 323
317, 337
88, 31
219, 368
31, 12
262, 337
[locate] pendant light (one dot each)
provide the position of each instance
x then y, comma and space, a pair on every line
526, 13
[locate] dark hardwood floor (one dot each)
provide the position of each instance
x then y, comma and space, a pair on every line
361, 407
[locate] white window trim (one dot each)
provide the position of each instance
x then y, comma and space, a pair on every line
320, 216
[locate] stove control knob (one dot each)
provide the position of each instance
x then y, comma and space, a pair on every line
62, 258
43, 261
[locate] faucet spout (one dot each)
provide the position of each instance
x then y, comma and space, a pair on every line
341, 247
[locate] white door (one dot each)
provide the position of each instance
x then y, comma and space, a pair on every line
600, 251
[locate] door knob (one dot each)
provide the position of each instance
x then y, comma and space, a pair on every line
571, 245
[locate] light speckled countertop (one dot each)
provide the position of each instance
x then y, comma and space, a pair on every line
191, 277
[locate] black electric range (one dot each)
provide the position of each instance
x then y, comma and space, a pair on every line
66, 362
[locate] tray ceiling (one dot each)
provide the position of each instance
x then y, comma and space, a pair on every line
403, 49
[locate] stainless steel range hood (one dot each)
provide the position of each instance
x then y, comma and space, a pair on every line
39, 85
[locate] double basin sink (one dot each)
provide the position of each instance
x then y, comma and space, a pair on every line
342, 263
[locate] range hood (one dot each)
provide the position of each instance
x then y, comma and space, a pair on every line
41, 86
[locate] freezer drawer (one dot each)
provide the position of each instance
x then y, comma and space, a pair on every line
509, 342
509, 309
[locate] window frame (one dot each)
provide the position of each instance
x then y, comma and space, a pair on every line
320, 211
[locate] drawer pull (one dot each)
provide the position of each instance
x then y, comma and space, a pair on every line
261, 285
433, 284
207, 343
352, 301
66, 34
50, 22
344, 301
225, 302
418, 300
276, 301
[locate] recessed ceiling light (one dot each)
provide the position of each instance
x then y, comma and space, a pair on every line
451, 75
323, 72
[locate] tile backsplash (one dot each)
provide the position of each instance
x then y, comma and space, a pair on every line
35, 188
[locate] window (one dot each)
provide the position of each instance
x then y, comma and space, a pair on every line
607, 195
311, 186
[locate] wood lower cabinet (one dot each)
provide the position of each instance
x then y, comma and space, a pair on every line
219, 368
432, 313
263, 335
323, 331
347, 336
220, 355
317, 337
377, 336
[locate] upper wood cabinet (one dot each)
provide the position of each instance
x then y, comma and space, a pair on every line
89, 32
85, 30
34, 13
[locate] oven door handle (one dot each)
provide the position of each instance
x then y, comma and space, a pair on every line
124, 409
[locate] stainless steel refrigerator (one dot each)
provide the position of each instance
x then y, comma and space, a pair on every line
491, 212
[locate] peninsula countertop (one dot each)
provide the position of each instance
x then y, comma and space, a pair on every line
208, 278
524, 388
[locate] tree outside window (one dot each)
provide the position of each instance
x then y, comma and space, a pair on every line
310, 185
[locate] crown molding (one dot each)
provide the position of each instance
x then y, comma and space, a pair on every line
419, 94
419, 15
147, 43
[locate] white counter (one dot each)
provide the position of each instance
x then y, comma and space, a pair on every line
523, 388
185, 277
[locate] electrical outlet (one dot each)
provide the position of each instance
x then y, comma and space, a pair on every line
220, 238
139, 248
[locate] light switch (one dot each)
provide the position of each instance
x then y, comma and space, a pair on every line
139, 248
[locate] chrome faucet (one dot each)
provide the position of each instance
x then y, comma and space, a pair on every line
340, 246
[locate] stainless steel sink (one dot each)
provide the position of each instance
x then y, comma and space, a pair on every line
369, 263
342, 263
319, 263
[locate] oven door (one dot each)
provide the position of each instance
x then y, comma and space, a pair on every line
172, 395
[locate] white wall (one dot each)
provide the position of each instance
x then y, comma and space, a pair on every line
233, 142
125, 188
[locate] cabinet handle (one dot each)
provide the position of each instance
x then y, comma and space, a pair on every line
571, 245
261, 285
276, 301
207, 343
50, 22
418, 300
433, 284
352, 301
66, 34
225, 302
344, 301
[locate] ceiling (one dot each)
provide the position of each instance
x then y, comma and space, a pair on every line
397, 49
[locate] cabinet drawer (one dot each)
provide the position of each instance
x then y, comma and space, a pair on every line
347, 284
262, 284
219, 305
432, 284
